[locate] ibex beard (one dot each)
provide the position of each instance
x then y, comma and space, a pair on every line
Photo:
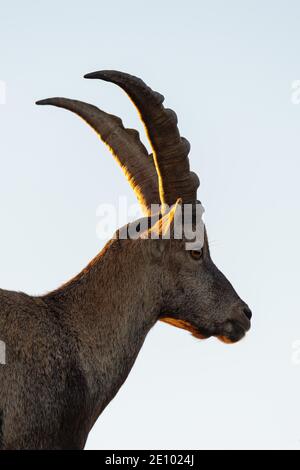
68, 352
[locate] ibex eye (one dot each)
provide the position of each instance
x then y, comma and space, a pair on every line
196, 254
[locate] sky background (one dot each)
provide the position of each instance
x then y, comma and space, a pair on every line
227, 68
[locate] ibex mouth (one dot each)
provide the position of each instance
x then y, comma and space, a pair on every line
231, 339
233, 332
230, 333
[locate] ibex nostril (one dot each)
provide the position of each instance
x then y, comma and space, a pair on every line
248, 313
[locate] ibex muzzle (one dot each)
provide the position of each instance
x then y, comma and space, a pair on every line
68, 352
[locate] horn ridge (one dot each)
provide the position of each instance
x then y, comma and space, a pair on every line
170, 150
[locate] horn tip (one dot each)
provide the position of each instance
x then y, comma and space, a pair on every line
91, 75
41, 102
60, 102
106, 75
51, 101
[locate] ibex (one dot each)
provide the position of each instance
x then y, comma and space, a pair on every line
68, 352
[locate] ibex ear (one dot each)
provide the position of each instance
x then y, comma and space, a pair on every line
165, 228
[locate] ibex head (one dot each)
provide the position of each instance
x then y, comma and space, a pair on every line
195, 295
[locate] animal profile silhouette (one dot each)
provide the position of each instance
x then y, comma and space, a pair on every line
68, 352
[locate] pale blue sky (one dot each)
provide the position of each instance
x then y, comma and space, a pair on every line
227, 69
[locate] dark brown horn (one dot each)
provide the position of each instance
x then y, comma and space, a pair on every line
170, 149
125, 145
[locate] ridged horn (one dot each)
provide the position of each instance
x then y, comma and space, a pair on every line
124, 144
170, 149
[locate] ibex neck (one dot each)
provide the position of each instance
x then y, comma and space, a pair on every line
110, 307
